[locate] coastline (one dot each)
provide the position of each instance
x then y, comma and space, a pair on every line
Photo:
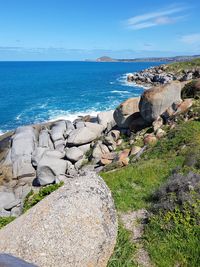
71, 116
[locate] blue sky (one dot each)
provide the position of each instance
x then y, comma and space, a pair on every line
80, 29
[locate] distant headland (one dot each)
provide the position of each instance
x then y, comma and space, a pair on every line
146, 59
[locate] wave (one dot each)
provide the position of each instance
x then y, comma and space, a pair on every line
71, 116
120, 92
124, 82
2, 132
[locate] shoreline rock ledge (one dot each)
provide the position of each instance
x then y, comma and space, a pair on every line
74, 226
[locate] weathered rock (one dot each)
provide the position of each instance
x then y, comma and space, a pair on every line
16, 211
108, 158
6, 173
4, 213
150, 139
157, 124
12, 204
135, 150
188, 76
50, 167
192, 90
79, 164
155, 101
123, 158
95, 127
106, 119
115, 134
60, 144
22, 191
81, 136
22, 167
71, 170
37, 155
184, 106
23, 142
98, 150
160, 133
55, 153
45, 140
78, 219
137, 123
6, 198
74, 154
79, 124
69, 125
85, 148
58, 131
124, 113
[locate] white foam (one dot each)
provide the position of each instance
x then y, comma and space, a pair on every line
120, 92
65, 115
2, 132
124, 82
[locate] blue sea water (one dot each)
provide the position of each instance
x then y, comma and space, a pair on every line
32, 92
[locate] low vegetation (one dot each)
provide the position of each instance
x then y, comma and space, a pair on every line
171, 235
124, 250
5, 220
179, 67
33, 198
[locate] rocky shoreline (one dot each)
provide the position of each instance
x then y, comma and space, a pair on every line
161, 75
39, 155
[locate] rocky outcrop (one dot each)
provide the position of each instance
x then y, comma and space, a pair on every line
74, 226
155, 101
123, 114
160, 75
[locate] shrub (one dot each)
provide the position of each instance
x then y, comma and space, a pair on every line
5, 220
33, 198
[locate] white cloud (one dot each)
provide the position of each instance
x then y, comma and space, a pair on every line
191, 38
152, 19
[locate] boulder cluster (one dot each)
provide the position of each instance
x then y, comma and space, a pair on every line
160, 75
39, 155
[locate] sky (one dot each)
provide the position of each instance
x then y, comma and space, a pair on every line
87, 29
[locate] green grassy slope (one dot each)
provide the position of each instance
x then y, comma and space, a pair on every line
179, 67
132, 188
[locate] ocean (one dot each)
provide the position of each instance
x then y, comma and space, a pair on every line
34, 92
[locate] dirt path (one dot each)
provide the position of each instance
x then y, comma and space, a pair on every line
134, 222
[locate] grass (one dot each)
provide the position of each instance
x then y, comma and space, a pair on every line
5, 220
33, 198
132, 188
124, 250
179, 67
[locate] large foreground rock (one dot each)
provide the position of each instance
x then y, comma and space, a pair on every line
124, 113
75, 226
157, 100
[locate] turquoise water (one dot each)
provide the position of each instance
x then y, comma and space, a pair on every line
32, 92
